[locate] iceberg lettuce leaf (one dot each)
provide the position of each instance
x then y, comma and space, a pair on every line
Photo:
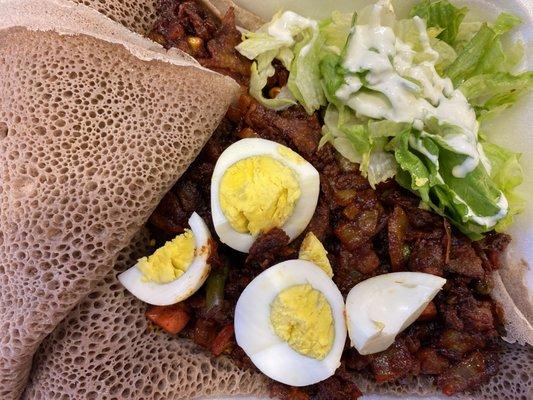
441, 14
484, 52
261, 70
336, 29
507, 174
304, 79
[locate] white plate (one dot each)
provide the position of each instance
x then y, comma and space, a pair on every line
513, 129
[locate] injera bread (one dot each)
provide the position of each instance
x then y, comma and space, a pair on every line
69, 18
511, 290
57, 376
106, 350
137, 15
91, 137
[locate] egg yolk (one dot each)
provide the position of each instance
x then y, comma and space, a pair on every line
313, 250
169, 262
302, 316
257, 194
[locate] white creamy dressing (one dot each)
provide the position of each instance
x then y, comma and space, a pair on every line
389, 69
417, 144
288, 25
404, 91
401, 90
352, 85
489, 221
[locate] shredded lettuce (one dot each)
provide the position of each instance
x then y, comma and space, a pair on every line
485, 86
304, 80
261, 70
331, 133
447, 54
441, 14
492, 93
335, 30
426, 164
300, 55
420, 156
411, 164
507, 174
332, 76
362, 142
484, 52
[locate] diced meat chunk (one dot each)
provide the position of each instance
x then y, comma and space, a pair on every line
464, 260
393, 363
367, 259
397, 229
454, 344
205, 332
353, 234
224, 58
320, 224
346, 275
431, 362
284, 392
477, 315
269, 248
427, 256
337, 388
172, 318
467, 374
169, 215
491, 249
429, 313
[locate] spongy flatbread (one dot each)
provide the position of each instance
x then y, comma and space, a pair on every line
511, 296
137, 15
140, 371
105, 350
91, 137
69, 18
511, 291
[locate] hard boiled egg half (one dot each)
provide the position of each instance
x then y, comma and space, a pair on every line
257, 185
175, 271
290, 322
379, 308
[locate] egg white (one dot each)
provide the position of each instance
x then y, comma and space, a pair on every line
308, 180
379, 308
181, 288
254, 333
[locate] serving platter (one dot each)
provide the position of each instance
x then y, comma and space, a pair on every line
510, 129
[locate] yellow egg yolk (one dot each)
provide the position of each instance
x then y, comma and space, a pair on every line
169, 262
313, 250
257, 194
302, 316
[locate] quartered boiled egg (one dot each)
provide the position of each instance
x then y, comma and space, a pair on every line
290, 322
257, 185
313, 250
175, 271
379, 308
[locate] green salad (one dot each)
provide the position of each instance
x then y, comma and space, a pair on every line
406, 99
